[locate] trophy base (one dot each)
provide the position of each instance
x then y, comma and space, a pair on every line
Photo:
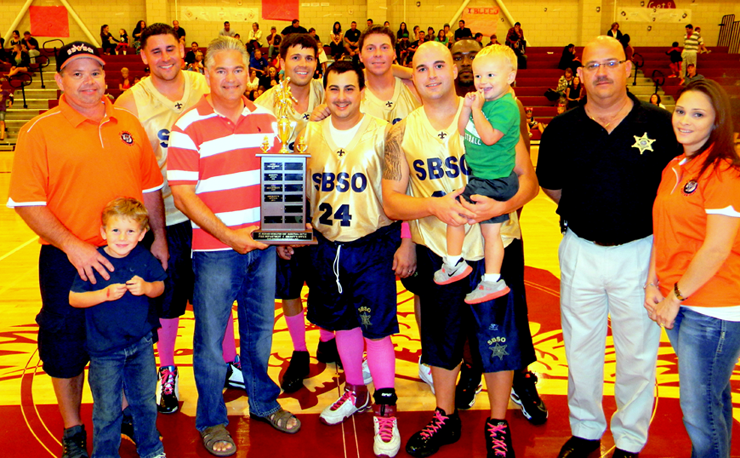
285, 237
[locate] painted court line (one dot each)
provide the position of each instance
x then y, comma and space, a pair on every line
18, 248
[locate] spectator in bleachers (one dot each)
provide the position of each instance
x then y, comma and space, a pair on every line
33, 46
563, 83
125, 80
197, 66
515, 40
369, 23
614, 32
4, 58
629, 51
431, 35
402, 31
655, 100
257, 62
238, 37
574, 93
322, 60
414, 46
273, 41
416, 34
463, 53
691, 75
352, 40
479, 38
226, 31
449, 33
178, 30
252, 84
312, 32
675, 54
442, 38
107, 40
19, 60
462, 31
270, 79
494, 40
122, 45
533, 124
15, 38
691, 43
140, 26
702, 47
254, 37
336, 46
294, 27
6, 101
568, 59
190, 55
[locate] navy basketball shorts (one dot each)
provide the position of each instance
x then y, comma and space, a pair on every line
446, 320
178, 286
353, 285
62, 333
501, 189
291, 274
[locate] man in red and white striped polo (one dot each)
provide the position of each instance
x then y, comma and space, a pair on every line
214, 174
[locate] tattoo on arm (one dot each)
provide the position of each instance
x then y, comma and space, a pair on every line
394, 153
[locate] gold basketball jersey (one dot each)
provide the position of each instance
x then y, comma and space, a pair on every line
157, 114
345, 183
298, 121
403, 102
437, 167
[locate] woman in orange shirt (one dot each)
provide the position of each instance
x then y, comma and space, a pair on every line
693, 287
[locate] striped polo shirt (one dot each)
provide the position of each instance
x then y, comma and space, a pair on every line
218, 157
691, 43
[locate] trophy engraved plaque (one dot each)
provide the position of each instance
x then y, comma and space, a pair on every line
283, 184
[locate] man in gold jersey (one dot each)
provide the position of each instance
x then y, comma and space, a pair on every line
352, 280
386, 97
427, 143
158, 101
298, 53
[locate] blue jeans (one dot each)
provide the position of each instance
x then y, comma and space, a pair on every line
707, 350
220, 278
134, 371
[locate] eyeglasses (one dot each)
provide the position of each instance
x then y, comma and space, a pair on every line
609, 65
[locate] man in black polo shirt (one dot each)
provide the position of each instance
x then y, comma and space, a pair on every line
462, 31
601, 163
352, 40
294, 27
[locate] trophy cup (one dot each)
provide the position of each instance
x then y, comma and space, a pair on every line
283, 184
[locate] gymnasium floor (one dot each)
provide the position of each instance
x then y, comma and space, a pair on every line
30, 425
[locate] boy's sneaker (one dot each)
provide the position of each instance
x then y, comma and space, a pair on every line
425, 374
387, 439
74, 442
298, 370
168, 392
498, 439
486, 291
524, 394
327, 352
234, 376
367, 377
355, 399
442, 430
468, 387
450, 274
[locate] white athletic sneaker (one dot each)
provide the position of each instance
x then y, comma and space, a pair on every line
487, 291
387, 439
234, 376
425, 374
366, 376
450, 274
347, 405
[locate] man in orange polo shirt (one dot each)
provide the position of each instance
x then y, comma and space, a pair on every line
69, 163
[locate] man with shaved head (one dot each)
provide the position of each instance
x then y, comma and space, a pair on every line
605, 189
428, 142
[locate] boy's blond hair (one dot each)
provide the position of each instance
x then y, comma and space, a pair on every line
499, 50
129, 208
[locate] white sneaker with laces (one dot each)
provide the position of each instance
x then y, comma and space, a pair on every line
450, 274
387, 439
234, 376
366, 375
345, 406
425, 374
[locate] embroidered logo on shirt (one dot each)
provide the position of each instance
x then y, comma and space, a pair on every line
178, 106
442, 135
127, 138
643, 143
690, 187
341, 152
306, 116
498, 350
389, 103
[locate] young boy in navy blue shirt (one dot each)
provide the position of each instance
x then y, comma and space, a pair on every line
119, 325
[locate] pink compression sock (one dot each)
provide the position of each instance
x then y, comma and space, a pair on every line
229, 344
166, 345
381, 357
350, 347
297, 330
325, 335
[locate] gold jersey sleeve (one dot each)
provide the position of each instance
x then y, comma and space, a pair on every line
158, 114
298, 121
437, 167
404, 101
345, 183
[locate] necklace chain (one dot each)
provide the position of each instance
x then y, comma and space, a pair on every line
593, 118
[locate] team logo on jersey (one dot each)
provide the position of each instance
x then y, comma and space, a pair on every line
306, 116
690, 187
442, 135
389, 103
341, 152
498, 351
178, 106
365, 316
127, 138
643, 143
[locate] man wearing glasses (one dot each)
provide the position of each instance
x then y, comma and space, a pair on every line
601, 163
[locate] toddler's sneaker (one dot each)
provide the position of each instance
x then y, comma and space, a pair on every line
450, 274
486, 291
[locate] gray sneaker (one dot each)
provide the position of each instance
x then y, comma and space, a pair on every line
486, 291
447, 274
